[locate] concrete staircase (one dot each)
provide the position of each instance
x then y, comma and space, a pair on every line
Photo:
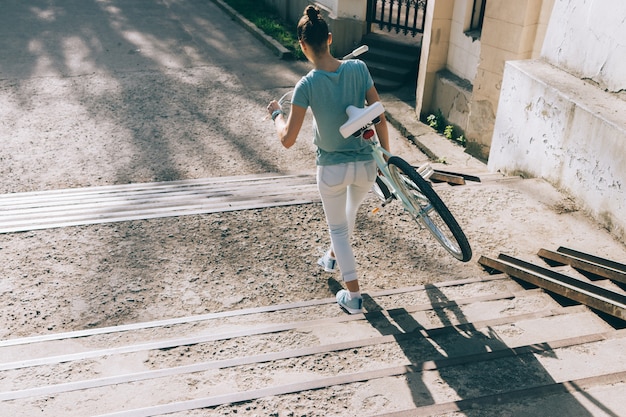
447, 348
391, 61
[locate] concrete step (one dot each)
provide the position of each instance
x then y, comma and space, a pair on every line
418, 347
392, 63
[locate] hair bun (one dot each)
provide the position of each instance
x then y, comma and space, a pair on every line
312, 13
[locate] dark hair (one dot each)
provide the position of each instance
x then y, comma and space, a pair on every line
313, 30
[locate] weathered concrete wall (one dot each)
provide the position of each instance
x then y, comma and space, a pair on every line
588, 39
554, 125
453, 96
512, 30
563, 117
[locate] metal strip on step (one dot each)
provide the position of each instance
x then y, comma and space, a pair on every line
186, 341
231, 313
565, 387
594, 296
430, 365
238, 397
94, 205
322, 383
436, 409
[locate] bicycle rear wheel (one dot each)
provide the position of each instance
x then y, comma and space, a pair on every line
428, 209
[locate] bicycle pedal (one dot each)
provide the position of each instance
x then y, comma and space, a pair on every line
425, 171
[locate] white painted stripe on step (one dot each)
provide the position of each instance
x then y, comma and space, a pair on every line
186, 341
104, 204
232, 313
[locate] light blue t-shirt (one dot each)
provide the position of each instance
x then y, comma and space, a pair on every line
329, 94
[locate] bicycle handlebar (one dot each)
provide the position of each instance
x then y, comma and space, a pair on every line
358, 51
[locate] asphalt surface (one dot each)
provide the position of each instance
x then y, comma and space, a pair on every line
68, 66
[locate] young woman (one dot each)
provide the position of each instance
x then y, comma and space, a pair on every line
345, 167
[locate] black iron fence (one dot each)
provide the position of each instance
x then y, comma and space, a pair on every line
401, 16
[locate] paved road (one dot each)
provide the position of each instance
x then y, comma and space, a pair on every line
105, 92
77, 37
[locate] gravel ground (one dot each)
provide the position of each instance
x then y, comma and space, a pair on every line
146, 114
63, 127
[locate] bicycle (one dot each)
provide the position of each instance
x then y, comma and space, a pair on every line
399, 180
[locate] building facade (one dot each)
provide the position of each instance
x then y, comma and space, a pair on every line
562, 116
538, 87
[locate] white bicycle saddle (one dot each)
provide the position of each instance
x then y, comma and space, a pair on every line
358, 118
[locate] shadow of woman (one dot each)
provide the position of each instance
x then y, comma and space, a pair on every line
455, 365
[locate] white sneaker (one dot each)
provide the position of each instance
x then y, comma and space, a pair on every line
328, 262
351, 305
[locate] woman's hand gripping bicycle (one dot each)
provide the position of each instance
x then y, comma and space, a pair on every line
398, 180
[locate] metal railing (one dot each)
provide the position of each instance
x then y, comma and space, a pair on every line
402, 16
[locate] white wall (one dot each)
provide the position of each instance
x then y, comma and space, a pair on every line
352, 9
345, 9
330, 5
563, 118
463, 52
588, 39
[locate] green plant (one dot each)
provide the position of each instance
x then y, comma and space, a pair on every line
266, 19
438, 122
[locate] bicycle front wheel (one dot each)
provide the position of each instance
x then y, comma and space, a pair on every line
427, 208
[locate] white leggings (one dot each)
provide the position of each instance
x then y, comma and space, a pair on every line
343, 188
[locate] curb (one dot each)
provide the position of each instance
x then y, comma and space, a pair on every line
280, 50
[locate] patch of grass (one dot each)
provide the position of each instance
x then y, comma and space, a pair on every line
266, 19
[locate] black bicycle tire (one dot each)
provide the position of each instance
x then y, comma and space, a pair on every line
424, 188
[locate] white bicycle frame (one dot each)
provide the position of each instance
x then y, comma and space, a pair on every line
362, 121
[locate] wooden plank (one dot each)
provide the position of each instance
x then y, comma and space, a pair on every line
430, 365
466, 177
438, 176
233, 313
85, 195
274, 328
542, 391
601, 299
595, 259
164, 198
186, 211
580, 264
105, 189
